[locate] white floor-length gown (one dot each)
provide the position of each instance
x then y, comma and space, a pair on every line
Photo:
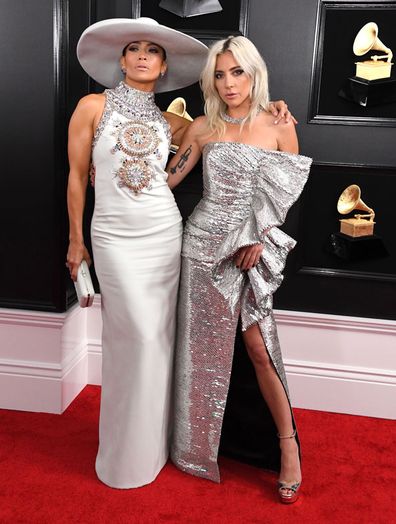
136, 238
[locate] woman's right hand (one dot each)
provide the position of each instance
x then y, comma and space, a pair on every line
76, 253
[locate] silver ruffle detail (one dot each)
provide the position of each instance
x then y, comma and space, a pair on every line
278, 185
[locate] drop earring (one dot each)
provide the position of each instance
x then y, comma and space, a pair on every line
123, 70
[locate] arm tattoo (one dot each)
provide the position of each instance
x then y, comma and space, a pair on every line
183, 159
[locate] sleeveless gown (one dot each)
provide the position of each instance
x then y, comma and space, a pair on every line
247, 193
136, 239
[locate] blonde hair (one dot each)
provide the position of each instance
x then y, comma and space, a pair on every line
250, 60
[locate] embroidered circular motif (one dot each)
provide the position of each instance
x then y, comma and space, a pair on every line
134, 174
137, 139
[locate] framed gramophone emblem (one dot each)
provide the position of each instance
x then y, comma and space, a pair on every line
353, 79
356, 239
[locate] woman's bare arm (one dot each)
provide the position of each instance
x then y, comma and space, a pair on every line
188, 154
81, 131
287, 138
178, 125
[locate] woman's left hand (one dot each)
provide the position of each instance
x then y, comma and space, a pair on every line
280, 110
248, 257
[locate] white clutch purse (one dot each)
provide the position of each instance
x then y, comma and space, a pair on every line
84, 288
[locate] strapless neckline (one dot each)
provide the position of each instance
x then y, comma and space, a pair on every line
208, 145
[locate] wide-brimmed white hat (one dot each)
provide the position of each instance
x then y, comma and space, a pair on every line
100, 48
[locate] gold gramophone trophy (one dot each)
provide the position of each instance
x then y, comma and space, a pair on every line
356, 239
373, 83
359, 225
375, 68
178, 107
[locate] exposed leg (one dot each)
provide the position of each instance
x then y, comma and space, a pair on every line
274, 394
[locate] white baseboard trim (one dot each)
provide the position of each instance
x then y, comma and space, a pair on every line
94, 342
340, 364
333, 363
94, 362
43, 359
352, 391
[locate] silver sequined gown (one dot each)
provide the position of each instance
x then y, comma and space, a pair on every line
136, 239
247, 193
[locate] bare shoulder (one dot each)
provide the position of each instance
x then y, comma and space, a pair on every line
196, 128
281, 127
199, 124
91, 104
200, 131
267, 119
280, 136
88, 111
285, 128
287, 137
199, 128
200, 120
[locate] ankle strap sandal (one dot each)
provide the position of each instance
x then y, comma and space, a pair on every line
287, 436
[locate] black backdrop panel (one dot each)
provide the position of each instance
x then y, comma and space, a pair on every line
319, 281
37, 46
27, 183
320, 219
316, 281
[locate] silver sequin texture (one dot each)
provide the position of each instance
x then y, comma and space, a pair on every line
247, 193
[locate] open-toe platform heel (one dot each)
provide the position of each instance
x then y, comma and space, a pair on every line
288, 491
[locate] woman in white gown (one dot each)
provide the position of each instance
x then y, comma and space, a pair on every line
136, 232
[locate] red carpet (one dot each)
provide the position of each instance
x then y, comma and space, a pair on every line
47, 476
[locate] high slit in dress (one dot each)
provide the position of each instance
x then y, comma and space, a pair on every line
247, 193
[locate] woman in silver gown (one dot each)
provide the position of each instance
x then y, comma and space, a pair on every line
136, 231
233, 255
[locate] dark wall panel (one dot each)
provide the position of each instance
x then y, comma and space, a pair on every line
27, 151
317, 281
37, 94
284, 32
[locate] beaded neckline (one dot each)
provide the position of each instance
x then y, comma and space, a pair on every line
130, 95
231, 120
132, 104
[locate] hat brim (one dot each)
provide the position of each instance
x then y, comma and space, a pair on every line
100, 48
